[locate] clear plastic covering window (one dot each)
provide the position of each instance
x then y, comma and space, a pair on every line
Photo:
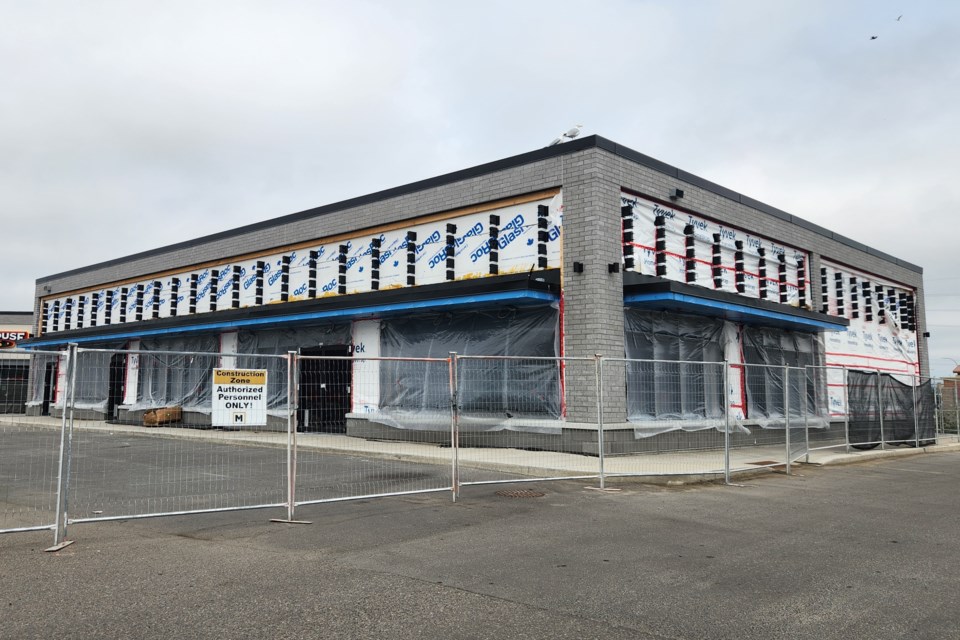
679, 378
176, 379
492, 392
93, 374
42, 366
92, 378
767, 355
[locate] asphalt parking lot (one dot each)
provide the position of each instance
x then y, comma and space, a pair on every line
860, 551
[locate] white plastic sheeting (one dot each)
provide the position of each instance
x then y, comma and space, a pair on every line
674, 371
38, 368
176, 379
91, 383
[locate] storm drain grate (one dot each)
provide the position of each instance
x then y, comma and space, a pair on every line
520, 493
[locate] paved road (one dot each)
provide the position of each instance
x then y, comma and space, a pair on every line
862, 551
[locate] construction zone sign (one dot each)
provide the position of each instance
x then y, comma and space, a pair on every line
239, 398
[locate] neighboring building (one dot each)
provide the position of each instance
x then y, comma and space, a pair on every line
15, 327
581, 248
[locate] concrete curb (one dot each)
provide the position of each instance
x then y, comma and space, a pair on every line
865, 456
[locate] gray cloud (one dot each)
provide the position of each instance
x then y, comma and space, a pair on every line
130, 125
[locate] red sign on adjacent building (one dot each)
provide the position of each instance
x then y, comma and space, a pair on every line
9, 338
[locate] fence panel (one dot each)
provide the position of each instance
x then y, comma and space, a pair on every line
526, 418
672, 420
948, 394
798, 409
30, 435
828, 410
925, 411
899, 410
372, 427
146, 439
774, 409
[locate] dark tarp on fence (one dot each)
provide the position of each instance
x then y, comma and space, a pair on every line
904, 409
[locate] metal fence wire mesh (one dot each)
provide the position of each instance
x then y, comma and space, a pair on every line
29, 439
96, 434
673, 420
520, 419
372, 426
947, 402
151, 446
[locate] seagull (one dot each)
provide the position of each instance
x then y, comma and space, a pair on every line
874, 37
566, 137
899, 16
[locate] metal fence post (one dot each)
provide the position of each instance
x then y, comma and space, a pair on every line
66, 449
291, 433
846, 409
454, 426
806, 414
956, 408
786, 411
293, 384
726, 422
883, 443
598, 360
916, 418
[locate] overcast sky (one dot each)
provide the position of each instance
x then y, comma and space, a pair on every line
125, 126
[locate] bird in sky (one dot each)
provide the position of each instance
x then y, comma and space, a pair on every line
899, 16
567, 136
873, 37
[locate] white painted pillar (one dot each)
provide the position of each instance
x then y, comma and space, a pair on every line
133, 374
228, 344
366, 373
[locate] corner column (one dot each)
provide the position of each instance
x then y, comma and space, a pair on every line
593, 298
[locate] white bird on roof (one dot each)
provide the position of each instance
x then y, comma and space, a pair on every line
567, 136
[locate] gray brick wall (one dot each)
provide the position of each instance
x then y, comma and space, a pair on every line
593, 300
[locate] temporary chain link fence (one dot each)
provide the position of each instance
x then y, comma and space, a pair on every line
522, 418
372, 427
163, 451
105, 434
30, 444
